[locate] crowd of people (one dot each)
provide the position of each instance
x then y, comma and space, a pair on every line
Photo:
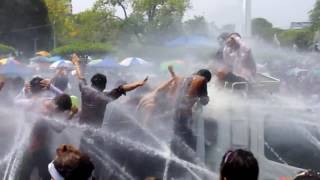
43, 100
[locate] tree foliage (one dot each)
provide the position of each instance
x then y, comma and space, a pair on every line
4, 49
96, 26
61, 20
83, 49
196, 26
315, 16
303, 38
262, 28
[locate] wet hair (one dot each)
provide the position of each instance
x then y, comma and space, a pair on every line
239, 164
72, 164
308, 175
235, 33
35, 86
63, 102
205, 73
99, 81
61, 82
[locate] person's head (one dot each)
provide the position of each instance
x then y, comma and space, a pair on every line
63, 102
61, 82
205, 73
222, 38
70, 164
99, 81
35, 85
232, 40
308, 175
239, 164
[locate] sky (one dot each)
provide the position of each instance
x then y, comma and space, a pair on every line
279, 12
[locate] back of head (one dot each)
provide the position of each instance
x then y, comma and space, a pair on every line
99, 81
63, 102
61, 82
234, 34
205, 73
308, 175
239, 164
72, 164
36, 86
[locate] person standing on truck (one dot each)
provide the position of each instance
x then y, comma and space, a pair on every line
238, 59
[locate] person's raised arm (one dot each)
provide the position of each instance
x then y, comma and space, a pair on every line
132, 86
76, 61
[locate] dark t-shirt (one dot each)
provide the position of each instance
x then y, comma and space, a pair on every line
94, 103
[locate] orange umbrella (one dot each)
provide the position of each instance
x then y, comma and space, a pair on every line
43, 53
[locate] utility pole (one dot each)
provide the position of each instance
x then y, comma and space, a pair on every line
54, 34
35, 45
247, 6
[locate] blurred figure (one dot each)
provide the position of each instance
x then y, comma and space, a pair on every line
70, 164
238, 58
61, 80
308, 175
222, 42
94, 99
239, 164
191, 91
37, 154
159, 101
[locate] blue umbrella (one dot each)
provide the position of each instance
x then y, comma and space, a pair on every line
41, 59
14, 69
55, 58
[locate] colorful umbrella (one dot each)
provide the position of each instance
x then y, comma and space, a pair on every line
12, 68
41, 59
6, 60
62, 64
132, 61
55, 58
43, 53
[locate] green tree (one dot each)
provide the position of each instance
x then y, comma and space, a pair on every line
62, 21
197, 26
96, 26
315, 16
302, 38
148, 19
263, 29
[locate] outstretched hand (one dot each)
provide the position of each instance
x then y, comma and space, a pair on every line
142, 83
172, 73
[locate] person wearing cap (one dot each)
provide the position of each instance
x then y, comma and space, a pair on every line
238, 58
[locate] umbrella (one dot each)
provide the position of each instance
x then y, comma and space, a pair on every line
6, 60
177, 64
41, 59
62, 64
131, 61
43, 53
11, 68
55, 58
106, 63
